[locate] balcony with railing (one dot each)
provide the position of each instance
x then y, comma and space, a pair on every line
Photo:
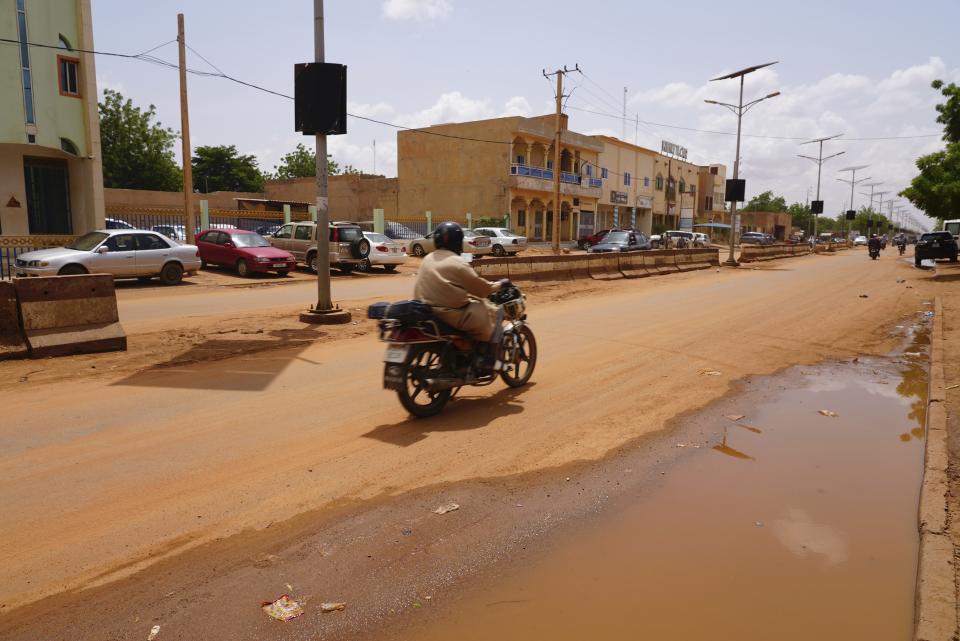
540, 178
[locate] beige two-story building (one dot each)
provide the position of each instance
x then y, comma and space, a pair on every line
712, 187
498, 167
626, 172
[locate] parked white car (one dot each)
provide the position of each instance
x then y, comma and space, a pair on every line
503, 240
122, 252
700, 239
384, 252
860, 240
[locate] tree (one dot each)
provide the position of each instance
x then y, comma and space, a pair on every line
302, 163
766, 202
137, 153
936, 189
222, 168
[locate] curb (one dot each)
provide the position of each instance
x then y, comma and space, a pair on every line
935, 614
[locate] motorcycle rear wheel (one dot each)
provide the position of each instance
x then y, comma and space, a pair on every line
424, 361
520, 352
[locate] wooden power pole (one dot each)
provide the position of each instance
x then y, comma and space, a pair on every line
185, 137
559, 73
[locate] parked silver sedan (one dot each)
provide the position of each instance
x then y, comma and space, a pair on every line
384, 252
122, 252
503, 240
473, 243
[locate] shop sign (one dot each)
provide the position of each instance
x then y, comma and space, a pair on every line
644, 203
673, 149
619, 197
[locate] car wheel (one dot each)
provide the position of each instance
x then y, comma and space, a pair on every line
312, 261
243, 269
916, 261
418, 251
360, 248
953, 258
345, 268
203, 264
390, 269
283, 273
171, 274
73, 270
498, 251
364, 266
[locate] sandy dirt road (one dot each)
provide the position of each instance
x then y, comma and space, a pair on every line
102, 476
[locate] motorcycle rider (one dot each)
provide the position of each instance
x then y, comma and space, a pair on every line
457, 294
873, 244
902, 243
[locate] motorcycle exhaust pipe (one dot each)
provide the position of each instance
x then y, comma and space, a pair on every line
443, 384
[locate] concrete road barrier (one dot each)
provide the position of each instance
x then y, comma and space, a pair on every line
12, 344
751, 253
605, 267
664, 261
64, 315
632, 265
549, 269
578, 266
493, 268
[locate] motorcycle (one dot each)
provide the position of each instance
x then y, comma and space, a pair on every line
427, 362
902, 247
874, 253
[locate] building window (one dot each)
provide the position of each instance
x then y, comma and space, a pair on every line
603, 172
708, 203
520, 159
68, 146
683, 186
646, 181
68, 69
714, 170
659, 183
521, 218
626, 178
549, 164
25, 75
589, 169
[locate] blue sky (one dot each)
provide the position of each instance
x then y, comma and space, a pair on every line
861, 68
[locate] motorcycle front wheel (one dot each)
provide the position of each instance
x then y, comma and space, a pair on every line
520, 356
424, 362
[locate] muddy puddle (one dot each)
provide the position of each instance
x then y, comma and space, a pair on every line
793, 526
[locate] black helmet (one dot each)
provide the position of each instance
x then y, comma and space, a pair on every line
449, 235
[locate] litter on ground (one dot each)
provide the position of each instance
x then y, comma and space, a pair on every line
154, 631
828, 413
283, 608
446, 507
332, 607
734, 417
706, 371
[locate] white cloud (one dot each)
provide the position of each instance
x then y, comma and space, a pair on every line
416, 9
517, 106
449, 107
377, 110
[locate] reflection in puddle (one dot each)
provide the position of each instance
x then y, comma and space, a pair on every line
815, 539
799, 534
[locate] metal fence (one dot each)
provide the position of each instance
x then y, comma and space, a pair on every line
13, 246
173, 222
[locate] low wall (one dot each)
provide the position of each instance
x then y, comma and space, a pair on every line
611, 266
751, 253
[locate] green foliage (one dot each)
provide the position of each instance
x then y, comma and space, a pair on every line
489, 221
766, 202
302, 163
137, 153
936, 189
222, 168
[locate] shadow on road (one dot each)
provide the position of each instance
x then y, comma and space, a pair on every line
248, 372
459, 415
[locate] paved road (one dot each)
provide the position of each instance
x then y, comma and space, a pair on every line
108, 474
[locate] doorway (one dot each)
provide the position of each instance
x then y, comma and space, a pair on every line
47, 183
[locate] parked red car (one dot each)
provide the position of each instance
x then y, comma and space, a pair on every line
586, 242
246, 251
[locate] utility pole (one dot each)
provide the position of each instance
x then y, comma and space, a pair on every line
324, 312
739, 109
374, 156
819, 160
191, 222
853, 182
623, 135
559, 73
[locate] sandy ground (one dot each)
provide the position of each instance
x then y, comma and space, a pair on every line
240, 423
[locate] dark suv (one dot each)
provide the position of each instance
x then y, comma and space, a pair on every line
935, 244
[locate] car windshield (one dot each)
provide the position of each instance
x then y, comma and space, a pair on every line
617, 237
349, 234
377, 238
249, 240
507, 232
943, 235
88, 241
469, 233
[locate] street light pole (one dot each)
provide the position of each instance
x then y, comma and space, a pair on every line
819, 160
872, 186
324, 312
739, 109
853, 183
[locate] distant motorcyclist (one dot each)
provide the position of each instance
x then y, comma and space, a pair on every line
902, 244
457, 294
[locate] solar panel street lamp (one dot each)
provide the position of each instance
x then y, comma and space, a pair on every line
817, 205
736, 187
